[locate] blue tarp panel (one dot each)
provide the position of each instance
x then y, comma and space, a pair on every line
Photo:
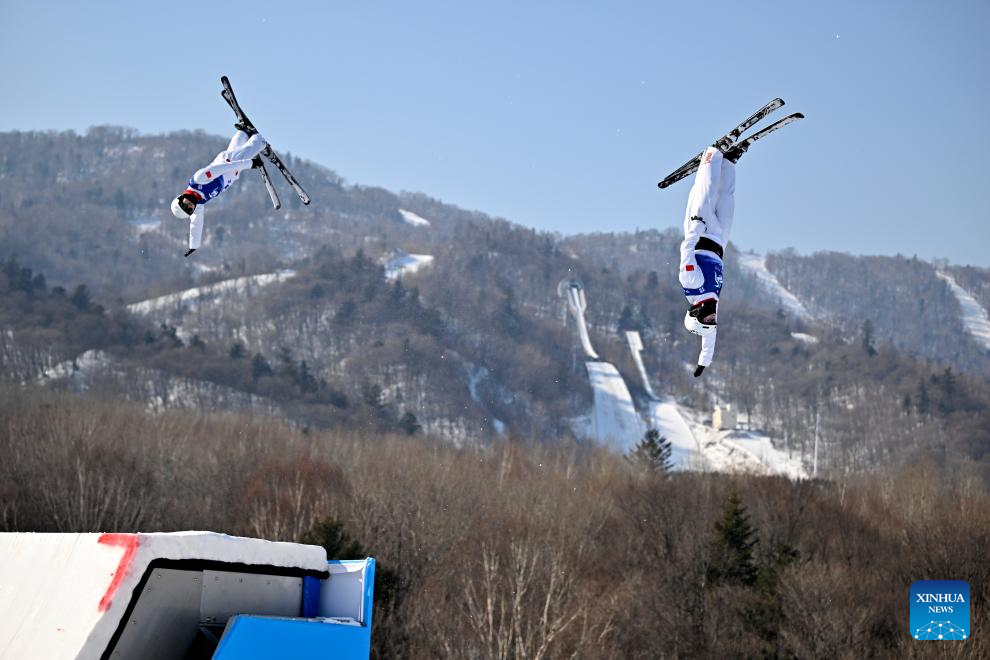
257, 637
254, 637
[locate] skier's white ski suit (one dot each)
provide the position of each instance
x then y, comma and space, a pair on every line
216, 177
710, 207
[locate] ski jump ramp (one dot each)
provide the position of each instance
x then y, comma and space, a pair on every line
178, 596
616, 423
636, 348
574, 293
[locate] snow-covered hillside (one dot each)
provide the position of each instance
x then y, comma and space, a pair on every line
191, 298
615, 422
156, 390
757, 264
974, 317
402, 263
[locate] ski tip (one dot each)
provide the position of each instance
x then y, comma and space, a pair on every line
798, 115
224, 79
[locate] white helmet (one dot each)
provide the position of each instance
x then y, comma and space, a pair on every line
696, 327
701, 318
177, 209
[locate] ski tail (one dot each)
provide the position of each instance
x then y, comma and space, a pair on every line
270, 154
723, 142
270, 187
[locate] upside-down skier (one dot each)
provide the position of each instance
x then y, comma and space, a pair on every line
241, 154
708, 223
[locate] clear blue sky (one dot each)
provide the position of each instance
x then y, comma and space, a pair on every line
561, 115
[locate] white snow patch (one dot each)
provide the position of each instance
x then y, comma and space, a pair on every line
746, 451
403, 264
191, 298
758, 265
145, 224
477, 374
84, 364
806, 338
974, 317
414, 219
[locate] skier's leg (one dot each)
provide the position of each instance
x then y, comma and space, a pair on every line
248, 148
702, 201
703, 197
725, 207
236, 142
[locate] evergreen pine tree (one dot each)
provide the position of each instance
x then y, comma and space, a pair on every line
923, 401
868, 338
626, 321
260, 367
409, 424
732, 547
652, 453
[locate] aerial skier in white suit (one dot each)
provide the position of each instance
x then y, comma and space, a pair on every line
241, 154
707, 224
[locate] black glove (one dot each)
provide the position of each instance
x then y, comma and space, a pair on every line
189, 252
698, 370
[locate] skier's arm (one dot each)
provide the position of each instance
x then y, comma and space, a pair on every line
707, 352
211, 172
196, 222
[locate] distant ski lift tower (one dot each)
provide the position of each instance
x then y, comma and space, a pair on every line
573, 292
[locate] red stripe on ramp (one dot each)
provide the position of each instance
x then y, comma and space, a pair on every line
129, 542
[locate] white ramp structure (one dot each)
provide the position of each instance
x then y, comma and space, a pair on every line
616, 423
171, 596
573, 292
636, 347
666, 418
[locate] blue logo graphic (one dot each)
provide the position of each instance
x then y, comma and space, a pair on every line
940, 609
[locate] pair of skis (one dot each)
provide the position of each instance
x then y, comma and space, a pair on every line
728, 141
228, 96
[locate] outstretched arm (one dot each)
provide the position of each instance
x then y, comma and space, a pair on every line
707, 352
196, 223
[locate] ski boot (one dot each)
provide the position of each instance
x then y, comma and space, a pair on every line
733, 154
250, 130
